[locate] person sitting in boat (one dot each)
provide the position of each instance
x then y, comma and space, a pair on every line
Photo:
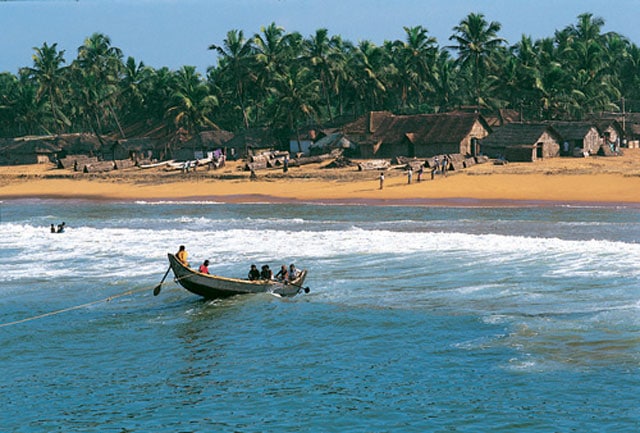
254, 273
283, 274
182, 255
266, 273
204, 267
293, 272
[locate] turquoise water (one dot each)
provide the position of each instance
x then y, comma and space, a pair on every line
419, 319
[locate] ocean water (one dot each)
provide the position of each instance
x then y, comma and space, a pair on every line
419, 319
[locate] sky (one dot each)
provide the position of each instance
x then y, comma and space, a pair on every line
175, 33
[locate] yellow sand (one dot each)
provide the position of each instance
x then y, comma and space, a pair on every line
565, 180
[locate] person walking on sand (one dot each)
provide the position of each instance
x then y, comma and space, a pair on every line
381, 180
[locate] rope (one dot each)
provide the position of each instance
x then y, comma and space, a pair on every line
88, 304
77, 307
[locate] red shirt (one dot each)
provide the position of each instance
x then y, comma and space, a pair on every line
203, 269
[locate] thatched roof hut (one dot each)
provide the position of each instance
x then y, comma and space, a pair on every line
202, 143
336, 140
28, 150
247, 142
522, 142
382, 134
578, 138
502, 117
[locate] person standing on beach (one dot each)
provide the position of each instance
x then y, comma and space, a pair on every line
434, 169
420, 171
381, 180
445, 165
409, 175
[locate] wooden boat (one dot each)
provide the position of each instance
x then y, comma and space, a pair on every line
213, 286
157, 164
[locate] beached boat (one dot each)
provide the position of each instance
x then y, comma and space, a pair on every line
213, 286
157, 164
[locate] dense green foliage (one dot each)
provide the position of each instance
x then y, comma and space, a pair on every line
284, 80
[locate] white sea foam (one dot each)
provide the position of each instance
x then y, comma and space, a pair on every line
152, 244
493, 275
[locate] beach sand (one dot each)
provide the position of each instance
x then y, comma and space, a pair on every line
592, 180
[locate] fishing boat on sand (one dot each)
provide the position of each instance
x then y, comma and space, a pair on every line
213, 286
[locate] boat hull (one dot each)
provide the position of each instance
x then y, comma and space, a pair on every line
214, 287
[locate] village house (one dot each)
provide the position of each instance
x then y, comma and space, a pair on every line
523, 142
203, 144
301, 142
47, 148
28, 150
331, 142
385, 135
612, 132
136, 149
578, 138
251, 141
620, 128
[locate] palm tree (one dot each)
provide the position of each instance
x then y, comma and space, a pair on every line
630, 77
521, 76
100, 65
135, 79
235, 67
28, 115
325, 58
49, 74
444, 82
275, 48
192, 102
297, 95
586, 55
365, 82
414, 59
275, 53
476, 41
158, 93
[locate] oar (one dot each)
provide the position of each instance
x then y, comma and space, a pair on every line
156, 289
306, 289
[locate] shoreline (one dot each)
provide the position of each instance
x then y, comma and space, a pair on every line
593, 181
161, 195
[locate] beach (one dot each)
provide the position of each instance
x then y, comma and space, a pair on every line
606, 180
